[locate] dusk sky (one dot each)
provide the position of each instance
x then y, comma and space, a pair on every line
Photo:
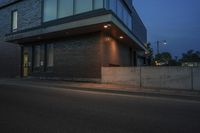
177, 21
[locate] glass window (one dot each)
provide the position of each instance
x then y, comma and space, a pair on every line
113, 5
119, 10
14, 20
50, 10
50, 55
83, 6
129, 22
98, 4
65, 8
37, 56
125, 17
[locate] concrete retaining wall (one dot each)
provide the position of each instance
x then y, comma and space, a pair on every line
121, 75
186, 78
9, 60
196, 78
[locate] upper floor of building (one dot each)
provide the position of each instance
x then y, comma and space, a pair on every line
21, 15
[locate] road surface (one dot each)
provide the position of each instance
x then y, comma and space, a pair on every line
58, 110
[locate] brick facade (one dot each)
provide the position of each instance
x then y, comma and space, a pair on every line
116, 53
74, 57
78, 55
29, 16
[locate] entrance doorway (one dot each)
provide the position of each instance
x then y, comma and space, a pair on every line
25, 65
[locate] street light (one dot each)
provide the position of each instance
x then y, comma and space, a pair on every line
164, 42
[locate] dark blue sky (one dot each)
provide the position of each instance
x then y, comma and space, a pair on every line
177, 21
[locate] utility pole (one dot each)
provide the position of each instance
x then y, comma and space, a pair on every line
160, 43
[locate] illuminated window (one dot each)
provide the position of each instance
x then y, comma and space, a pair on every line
14, 20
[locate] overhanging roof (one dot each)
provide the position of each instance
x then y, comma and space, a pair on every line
90, 24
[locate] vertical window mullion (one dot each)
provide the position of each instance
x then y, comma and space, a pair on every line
92, 4
74, 7
57, 8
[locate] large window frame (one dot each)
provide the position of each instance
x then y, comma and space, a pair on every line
42, 57
58, 16
118, 8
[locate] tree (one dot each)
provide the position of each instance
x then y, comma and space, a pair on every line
163, 57
149, 53
191, 56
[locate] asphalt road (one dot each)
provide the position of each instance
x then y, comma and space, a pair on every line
42, 110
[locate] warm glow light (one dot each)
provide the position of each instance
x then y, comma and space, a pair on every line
121, 37
107, 38
105, 26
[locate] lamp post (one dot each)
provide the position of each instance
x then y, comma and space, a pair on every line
160, 43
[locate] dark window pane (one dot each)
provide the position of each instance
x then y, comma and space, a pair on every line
113, 5
37, 56
50, 55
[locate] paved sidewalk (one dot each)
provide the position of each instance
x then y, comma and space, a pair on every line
107, 88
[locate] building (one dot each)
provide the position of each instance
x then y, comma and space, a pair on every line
73, 39
10, 60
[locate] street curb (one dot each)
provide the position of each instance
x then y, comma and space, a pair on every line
133, 93
112, 91
151, 94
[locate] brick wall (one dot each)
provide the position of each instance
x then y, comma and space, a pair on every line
116, 54
29, 12
78, 57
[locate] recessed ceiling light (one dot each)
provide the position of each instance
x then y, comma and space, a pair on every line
121, 37
105, 26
